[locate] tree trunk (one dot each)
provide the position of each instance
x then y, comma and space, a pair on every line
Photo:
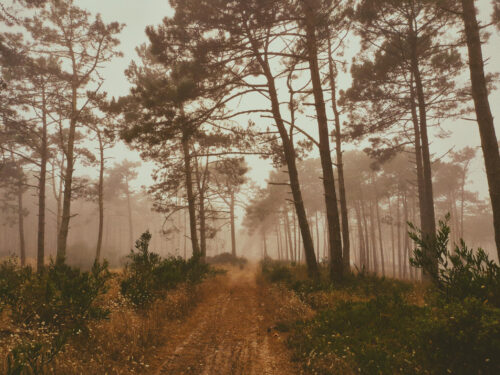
317, 237
367, 237
406, 238
398, 221
418, 154
362, 250
380, 240
393, 248
290, 157
289, 234
203, 225
429, 220
233, 225
100, 193
336, 263
373, 238
62, 239
340, 166
20, 218
190, 197
489, 140
40, 258
129, 211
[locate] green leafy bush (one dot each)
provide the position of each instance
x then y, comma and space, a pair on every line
60, 296
372, 336
49, 307
460, 338
147, 275
276, 272
227, 258
12, 277
386, 335
462, 273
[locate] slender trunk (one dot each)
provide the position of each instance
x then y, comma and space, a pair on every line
336, 263
290, 157
380, 240
406, 238
278, 241
317, 237
100, 192
233, 225
129, 211
40, 259
294, 238
20, 218
62, 239
489, 140
392, 241
203, 225
201, 184
418, 155
367, 237
373, 238
398, 222
190, 197
429, 223
462, 204
185, 235
289, 234
340, 166
362, 250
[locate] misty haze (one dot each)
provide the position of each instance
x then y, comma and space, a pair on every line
249, 187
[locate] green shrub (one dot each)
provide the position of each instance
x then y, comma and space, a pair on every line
372, 336
49, 307
462, 273
147, 275
227, 258
461, 338
12, 277
276, 272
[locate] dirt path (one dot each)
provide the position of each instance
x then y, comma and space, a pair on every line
228, 333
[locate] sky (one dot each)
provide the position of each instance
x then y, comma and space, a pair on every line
139, 14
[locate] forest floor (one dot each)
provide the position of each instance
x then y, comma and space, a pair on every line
229, 332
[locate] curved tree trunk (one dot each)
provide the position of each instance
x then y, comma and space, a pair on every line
483, 111
290, 157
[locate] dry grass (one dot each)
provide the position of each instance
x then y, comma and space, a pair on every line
126, 343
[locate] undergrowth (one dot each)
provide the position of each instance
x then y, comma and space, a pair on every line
372, 325
147, 276
48, 319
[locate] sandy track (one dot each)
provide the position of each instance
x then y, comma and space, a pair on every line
227, 334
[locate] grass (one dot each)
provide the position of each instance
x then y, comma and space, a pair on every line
127, 341
371, 325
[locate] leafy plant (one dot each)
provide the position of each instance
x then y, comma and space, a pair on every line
147, 275
49, 307
276, 271
462, 337
463, 272
371, 337
12, 277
